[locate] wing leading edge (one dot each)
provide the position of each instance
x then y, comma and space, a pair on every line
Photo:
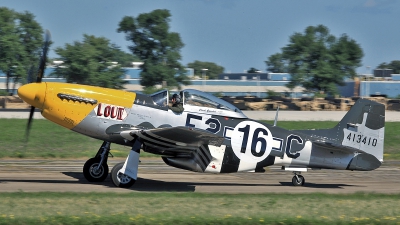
168, 138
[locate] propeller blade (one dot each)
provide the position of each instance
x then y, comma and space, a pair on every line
30, 75
39, 77
28, 127
43, 59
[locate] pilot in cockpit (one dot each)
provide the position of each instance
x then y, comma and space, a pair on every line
177, 105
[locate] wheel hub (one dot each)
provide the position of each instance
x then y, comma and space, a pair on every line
96, 173
123, 179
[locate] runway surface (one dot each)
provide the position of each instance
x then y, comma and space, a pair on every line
155, 176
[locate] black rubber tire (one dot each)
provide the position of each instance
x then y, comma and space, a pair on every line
91, 175
299, 182
121, 180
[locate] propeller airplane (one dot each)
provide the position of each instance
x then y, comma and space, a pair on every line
209, 135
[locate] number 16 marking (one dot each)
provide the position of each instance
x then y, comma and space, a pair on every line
251, 141
256, 139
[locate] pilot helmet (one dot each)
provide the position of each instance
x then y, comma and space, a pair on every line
177, 98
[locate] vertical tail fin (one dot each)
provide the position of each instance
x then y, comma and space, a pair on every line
363, 128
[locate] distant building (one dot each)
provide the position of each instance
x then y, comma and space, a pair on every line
383, 72
255, 84
255, 76
243, 76
279, 76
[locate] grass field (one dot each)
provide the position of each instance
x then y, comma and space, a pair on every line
48, 140
195, 208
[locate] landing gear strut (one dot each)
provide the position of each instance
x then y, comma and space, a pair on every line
298, 180
124, 175
96, 169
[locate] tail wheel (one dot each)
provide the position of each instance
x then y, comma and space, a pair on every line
120, 179
92, 174
298, 180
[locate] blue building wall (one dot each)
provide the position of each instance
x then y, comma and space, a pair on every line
255, 76
279, 76
396, 77
389, 88
367, 88
238, 83
132, 73
243, 76
347, 90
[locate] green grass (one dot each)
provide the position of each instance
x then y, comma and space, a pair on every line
197, 208
48, 140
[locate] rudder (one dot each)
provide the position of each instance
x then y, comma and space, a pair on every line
363, 128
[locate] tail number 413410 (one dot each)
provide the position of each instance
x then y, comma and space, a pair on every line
359, 138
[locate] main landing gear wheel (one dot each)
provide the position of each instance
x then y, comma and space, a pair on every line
120, 179
92, 172
298, 180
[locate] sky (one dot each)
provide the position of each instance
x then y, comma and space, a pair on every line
235, 34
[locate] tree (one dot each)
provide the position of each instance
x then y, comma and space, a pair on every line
394, 65
156, 46
212, 72
123, 58
317, 60
90, 62
20, 45
276, 64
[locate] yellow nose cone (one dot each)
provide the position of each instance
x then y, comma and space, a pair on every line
33, 94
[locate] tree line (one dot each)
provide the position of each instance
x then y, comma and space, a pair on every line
316, 60
20, 44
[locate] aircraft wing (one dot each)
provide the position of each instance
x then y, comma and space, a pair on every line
178, 139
